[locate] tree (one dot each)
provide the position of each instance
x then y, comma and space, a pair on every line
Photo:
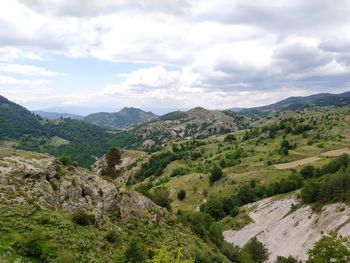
214, 208
216, 233
113, 158
181, 195
246, 195
230, 138
285, 147
307, 171
161, 197
289, 259
135, 252
332, 248
231, 252
254, 251
309, 192
216, 174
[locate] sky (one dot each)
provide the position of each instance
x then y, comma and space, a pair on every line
163, 55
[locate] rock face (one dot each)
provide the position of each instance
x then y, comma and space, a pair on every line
45, 181
285, 233
193, 123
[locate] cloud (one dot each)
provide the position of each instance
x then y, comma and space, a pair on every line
83, 8
195, 51
29, 70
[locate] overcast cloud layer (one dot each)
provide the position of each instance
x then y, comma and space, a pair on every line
216, 54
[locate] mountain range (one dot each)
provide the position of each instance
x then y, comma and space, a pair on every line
299, 103
120, 120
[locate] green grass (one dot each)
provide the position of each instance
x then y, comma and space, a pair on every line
34, 235
330, 124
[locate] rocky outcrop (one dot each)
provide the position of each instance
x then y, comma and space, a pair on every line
290, 233
47, 182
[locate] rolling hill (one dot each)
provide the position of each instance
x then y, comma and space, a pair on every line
81, 141
120, 120
179, 125
299, 103
57, 115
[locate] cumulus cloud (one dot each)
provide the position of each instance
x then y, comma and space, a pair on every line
217, 52
28, 70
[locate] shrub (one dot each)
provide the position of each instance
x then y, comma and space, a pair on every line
112, 236
309, 192
178, 171
254, 251
181, 195
330, 249
214, 208
289, 259
135, 252
66, 161
161, 197
308, 171
231, 252
230, 138
216, 174
234, 211
83, 218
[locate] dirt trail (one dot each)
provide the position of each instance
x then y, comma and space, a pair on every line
297, 163
335, 153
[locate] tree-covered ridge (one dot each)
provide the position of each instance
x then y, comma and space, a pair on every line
120, 120
86, 142
16, 121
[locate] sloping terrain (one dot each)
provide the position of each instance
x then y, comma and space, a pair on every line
300, 103
120, 120
56, 115
46, 181
197, 122
285, 232
52, 211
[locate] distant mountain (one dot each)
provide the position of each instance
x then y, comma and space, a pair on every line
120, 120
81, 141
56, 115
299, 103
178, 125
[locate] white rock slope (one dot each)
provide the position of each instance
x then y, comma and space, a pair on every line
290, 234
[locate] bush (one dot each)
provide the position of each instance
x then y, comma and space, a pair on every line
332, 248
83, 218
161, 197
309, 193
38, 245
135, 252
230, 138
216, 174
289, 259
308, 171
181, 195
112, 236
234, 211
214, 208
254, 251
178, 171
231, 252
66, 161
